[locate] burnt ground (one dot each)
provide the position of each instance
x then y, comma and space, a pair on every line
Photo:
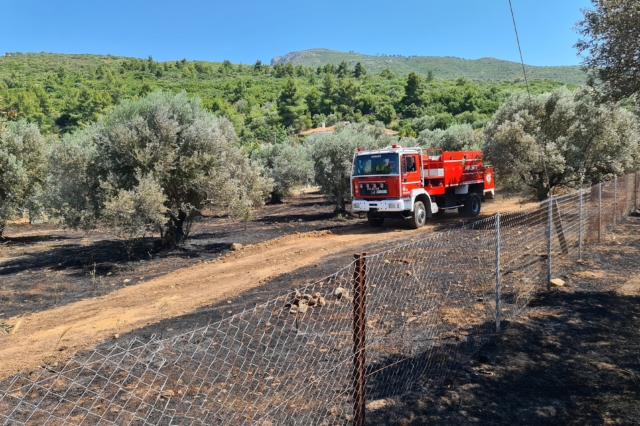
43, 266
572, 360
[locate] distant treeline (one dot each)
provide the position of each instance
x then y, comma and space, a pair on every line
62, 93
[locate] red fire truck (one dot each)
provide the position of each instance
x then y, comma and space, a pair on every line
417, 183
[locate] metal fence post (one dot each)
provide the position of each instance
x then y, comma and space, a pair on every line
615, 201
635, 192
626, 195
599, 211
359, 295
549, 231
497, 243
580, 228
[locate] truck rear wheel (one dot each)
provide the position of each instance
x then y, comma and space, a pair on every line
419, 215
471, 206
375, 221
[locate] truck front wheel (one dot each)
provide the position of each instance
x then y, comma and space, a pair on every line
419, 215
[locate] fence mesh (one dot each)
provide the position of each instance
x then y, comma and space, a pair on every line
425, 306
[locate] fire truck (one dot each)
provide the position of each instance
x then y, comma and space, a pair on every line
417, 183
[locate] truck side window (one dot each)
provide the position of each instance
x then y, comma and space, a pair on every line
411, 164
404, 165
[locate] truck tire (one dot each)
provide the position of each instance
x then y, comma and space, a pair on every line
419, 215
375, 221
471, 206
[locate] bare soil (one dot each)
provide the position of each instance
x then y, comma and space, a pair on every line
65, 291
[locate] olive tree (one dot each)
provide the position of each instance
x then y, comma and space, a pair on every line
288, 164
153, 165
611, 46
332, 156
455, 138
23, 166
560, 138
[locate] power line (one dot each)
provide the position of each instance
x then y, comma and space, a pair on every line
526, 81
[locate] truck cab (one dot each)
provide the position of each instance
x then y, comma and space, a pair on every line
415, 184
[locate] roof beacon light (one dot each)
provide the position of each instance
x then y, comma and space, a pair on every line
359, 149
394, 146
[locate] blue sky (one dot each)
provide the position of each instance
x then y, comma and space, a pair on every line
246, 30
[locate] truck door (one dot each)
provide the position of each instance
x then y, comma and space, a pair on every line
411, 171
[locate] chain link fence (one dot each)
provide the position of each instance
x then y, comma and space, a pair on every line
387, 324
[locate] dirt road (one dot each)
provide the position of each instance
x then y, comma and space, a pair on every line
55, 334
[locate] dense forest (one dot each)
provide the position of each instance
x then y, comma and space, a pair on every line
62, 93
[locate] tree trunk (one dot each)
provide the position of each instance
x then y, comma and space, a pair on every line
175, 232
340, 206
2, 225
275, 198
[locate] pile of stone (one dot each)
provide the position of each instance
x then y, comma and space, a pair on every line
302, 302
342, 294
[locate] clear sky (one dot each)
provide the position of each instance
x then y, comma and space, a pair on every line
246, 30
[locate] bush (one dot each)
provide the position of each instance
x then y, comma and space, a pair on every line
23, 167
458, 137
153, 165
288, 164
561, 138
332, 157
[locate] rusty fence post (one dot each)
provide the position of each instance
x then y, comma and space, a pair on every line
359, 310
549, 235
497, 243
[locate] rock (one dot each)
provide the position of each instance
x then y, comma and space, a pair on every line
557, 282
293, 310
387, 261
168, 394
322, 301
307, 297
126, 281
116, 336
299, 220
313, 302
338, 292
333, 411
303, 308
236, 246
317, 295
377, 404
409, 273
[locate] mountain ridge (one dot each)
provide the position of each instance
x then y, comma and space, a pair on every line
443, 67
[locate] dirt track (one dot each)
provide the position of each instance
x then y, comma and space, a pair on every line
55, 334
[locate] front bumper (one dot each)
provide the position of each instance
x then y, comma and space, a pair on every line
398, 205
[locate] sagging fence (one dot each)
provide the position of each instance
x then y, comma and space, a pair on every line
387, 324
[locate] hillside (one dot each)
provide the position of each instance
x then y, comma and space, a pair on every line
63, 92
446, 68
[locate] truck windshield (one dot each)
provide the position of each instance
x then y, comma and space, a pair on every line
376, 164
